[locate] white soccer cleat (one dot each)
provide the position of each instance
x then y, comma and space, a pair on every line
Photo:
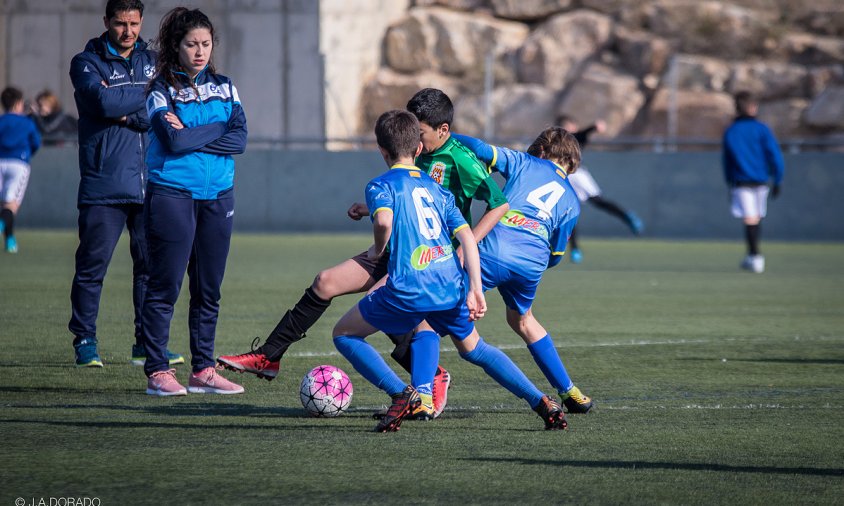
757, 264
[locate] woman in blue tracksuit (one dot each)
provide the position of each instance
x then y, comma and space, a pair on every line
197, 124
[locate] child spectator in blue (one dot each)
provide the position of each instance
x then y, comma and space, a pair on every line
19, 140
416, 217
530, 238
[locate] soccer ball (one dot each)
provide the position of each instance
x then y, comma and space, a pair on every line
326, 391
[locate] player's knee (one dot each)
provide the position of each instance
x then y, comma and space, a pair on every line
324, 285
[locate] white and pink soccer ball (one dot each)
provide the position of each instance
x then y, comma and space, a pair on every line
326, 391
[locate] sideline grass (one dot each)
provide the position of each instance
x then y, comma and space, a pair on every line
713, 387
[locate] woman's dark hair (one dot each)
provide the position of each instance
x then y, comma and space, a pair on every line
559, 146
174, 26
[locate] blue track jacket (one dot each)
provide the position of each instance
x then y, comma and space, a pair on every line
197, 158
111, 152
19, 137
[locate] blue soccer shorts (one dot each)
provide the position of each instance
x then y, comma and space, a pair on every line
393, 320
517, 290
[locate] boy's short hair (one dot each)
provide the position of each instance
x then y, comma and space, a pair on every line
745, 100
397, 132
432, 106
10, 96
557, 145
115, 6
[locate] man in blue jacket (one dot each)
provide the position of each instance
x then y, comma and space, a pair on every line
109, 80
752, 160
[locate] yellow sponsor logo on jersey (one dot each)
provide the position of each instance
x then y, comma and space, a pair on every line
517, 219
437, 172
424, 255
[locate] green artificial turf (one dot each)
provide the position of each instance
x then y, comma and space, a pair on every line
713, 386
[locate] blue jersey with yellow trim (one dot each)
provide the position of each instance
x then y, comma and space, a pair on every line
543, 209
424, 271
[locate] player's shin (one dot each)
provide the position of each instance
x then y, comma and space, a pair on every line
369, 364
548, 360
294, 324
425, 354
499, 366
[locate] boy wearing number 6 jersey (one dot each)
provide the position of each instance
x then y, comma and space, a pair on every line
530, 238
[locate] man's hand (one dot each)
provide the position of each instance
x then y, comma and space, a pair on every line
476, 303
358, 211
174, 120
775, 191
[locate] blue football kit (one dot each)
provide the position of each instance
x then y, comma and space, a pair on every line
425, 275
532, 235
527, 240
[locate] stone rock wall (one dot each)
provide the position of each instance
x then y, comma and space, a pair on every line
629, 62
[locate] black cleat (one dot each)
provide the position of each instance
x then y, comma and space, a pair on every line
552, 414
576, 402
403, 404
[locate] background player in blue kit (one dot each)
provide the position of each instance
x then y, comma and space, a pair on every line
532, 237
416, 218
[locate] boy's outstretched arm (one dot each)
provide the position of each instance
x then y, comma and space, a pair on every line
472, 263
382, 228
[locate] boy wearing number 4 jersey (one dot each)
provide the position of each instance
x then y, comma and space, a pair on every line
532, 237
416, 218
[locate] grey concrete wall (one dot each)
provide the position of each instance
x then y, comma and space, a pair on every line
678, 195
269, 48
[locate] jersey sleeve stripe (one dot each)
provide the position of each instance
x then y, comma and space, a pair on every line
494, 157
458, 229
381, 209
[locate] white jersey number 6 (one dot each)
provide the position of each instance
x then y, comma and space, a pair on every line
429, 223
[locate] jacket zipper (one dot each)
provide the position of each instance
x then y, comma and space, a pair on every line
140, 134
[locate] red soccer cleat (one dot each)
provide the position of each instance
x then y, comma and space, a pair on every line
256, 363
439, 390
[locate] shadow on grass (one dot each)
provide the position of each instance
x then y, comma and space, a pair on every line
636, 464
175, 425
821, 361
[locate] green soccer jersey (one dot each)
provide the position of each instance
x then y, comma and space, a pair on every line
460, 171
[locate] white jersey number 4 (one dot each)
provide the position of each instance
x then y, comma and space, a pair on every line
426, 218
546, 197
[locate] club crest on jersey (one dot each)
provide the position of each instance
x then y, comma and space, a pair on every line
437, 172
148, 70
517, 219
423, 256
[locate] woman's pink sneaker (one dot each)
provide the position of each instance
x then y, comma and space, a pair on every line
164, 384
207, 381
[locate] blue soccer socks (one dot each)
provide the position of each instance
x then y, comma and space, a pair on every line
499, 366
549, 362
369, 364
424, 357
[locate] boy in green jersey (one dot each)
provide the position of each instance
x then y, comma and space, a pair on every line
450, 164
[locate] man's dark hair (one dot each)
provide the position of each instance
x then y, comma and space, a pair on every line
11, 96
745, 101
432, 106
397, 132
115, 6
